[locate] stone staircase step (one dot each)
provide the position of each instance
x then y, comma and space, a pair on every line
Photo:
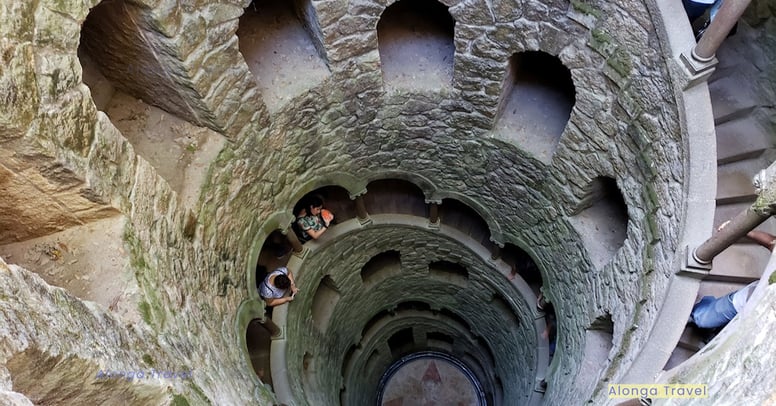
690, 340
735, 93
740, 262
740, 139
719, 288
734, 180
678, 356
729, 103
725, 212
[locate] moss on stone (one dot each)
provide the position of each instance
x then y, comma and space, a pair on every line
178, 400
198, 392
136, 258
145, 311
620, 62
586, 8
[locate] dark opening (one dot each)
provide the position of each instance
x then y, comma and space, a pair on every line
401, 342
395, 196
536, 101
416, 46
457, 214
380, 267
258, 340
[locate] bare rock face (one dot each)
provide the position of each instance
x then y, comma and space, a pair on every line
56, 349
41, 196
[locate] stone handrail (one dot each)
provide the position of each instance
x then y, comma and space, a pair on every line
762, 209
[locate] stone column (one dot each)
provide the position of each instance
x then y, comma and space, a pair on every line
273, 328
739, 225
361, 213
727, 17
700, 60
764, 207
495, 251
296, 245
433, 213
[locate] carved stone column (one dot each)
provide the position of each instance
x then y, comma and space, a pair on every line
700, 60
361, 213
727, 17
433, 213
495, 251
296, 245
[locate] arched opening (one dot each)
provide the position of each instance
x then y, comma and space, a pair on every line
598, 345
380, 267
274, 253
130, 83
416, 45
324, 301
401, 342
537, 96
259, 339
337, 200
283, 49
460, 216
335, 205
395, 196
449, 272
523, 265
602, 220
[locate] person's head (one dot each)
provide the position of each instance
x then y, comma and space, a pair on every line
282, 282
314, 205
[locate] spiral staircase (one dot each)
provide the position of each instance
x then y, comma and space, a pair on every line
744, 147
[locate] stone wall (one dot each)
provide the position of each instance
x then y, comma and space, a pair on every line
625, 114
55, 348
624, 125
186, 289
342, 261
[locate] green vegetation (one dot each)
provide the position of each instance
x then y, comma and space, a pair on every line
585, 8
148, 360
178, 400
620, 62
145, 311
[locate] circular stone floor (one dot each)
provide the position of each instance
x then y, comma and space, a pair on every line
429, 379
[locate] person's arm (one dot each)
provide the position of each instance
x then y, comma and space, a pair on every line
278, 301
316, 233
767, 240
294, 289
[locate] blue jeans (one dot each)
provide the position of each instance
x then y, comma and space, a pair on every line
713, 312
694, 10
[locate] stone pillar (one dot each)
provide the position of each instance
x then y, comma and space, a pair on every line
296, 245
727, 17
273, 328
764, 207
700, 60
495, 251
433, 213
361, 213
